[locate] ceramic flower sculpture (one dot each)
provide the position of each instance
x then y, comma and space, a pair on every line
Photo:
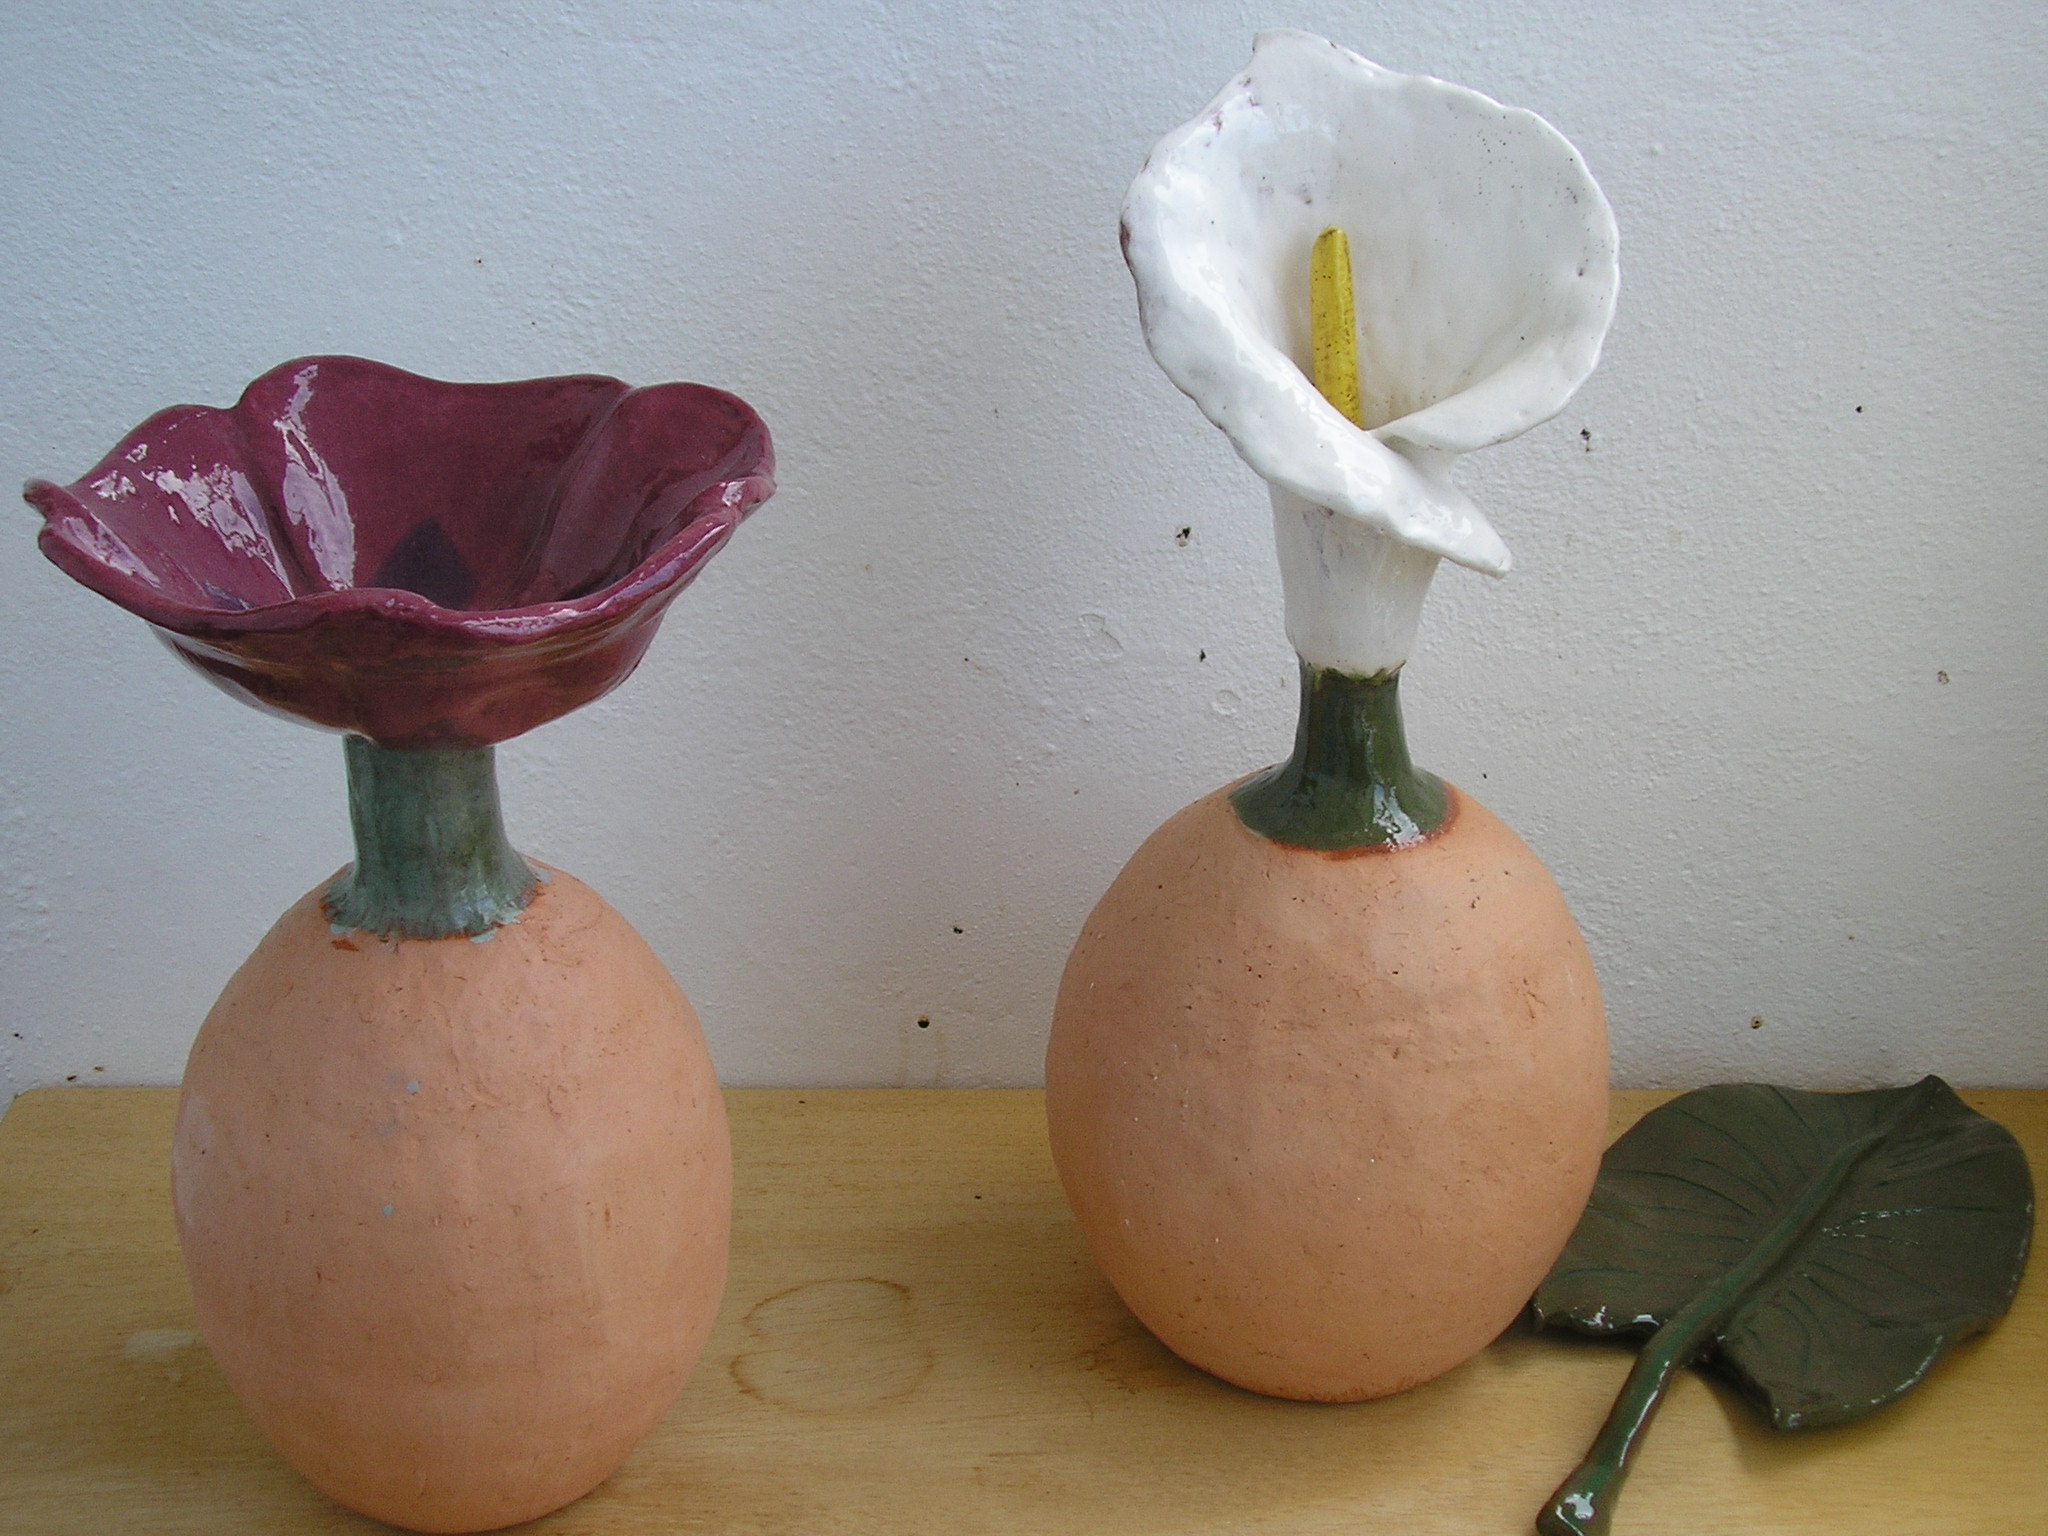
451, 1172
1327, 1077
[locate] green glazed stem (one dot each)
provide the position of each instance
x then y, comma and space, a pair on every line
1349, 783
1583, 1504
431, 856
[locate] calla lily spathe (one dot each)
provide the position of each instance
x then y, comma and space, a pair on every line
1485, 261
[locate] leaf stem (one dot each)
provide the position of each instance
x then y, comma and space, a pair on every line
1584, 1502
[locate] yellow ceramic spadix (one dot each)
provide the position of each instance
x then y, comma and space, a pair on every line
1333, 324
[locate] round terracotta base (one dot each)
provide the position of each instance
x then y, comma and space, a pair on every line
1327, 1119
454, 1212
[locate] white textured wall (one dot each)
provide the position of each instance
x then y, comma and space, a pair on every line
1768, 689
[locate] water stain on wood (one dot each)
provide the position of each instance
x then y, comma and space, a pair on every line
833, 1344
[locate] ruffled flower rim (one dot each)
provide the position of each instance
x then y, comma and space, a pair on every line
236, 533
77, 541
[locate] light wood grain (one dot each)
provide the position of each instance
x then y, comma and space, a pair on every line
914, 1341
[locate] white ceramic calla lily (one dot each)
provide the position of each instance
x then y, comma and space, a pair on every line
1485, 264
1326, 1120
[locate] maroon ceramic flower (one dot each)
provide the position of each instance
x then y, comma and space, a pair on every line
427, 564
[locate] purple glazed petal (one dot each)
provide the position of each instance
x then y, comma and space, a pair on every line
427, 564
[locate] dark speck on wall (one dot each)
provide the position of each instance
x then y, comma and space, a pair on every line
924, 1023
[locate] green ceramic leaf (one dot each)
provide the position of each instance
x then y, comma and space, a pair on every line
1821, 1250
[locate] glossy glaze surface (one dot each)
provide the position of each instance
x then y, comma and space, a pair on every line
1349, 782
1820, 1250
432, 859
1484, 257
1467, 278
423, 563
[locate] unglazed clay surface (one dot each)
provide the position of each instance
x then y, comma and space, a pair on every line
455, 1212
1326, 1119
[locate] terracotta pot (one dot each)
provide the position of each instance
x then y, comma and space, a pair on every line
454, 1213
1326, 1118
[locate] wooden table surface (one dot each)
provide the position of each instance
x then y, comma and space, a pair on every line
914, 1340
